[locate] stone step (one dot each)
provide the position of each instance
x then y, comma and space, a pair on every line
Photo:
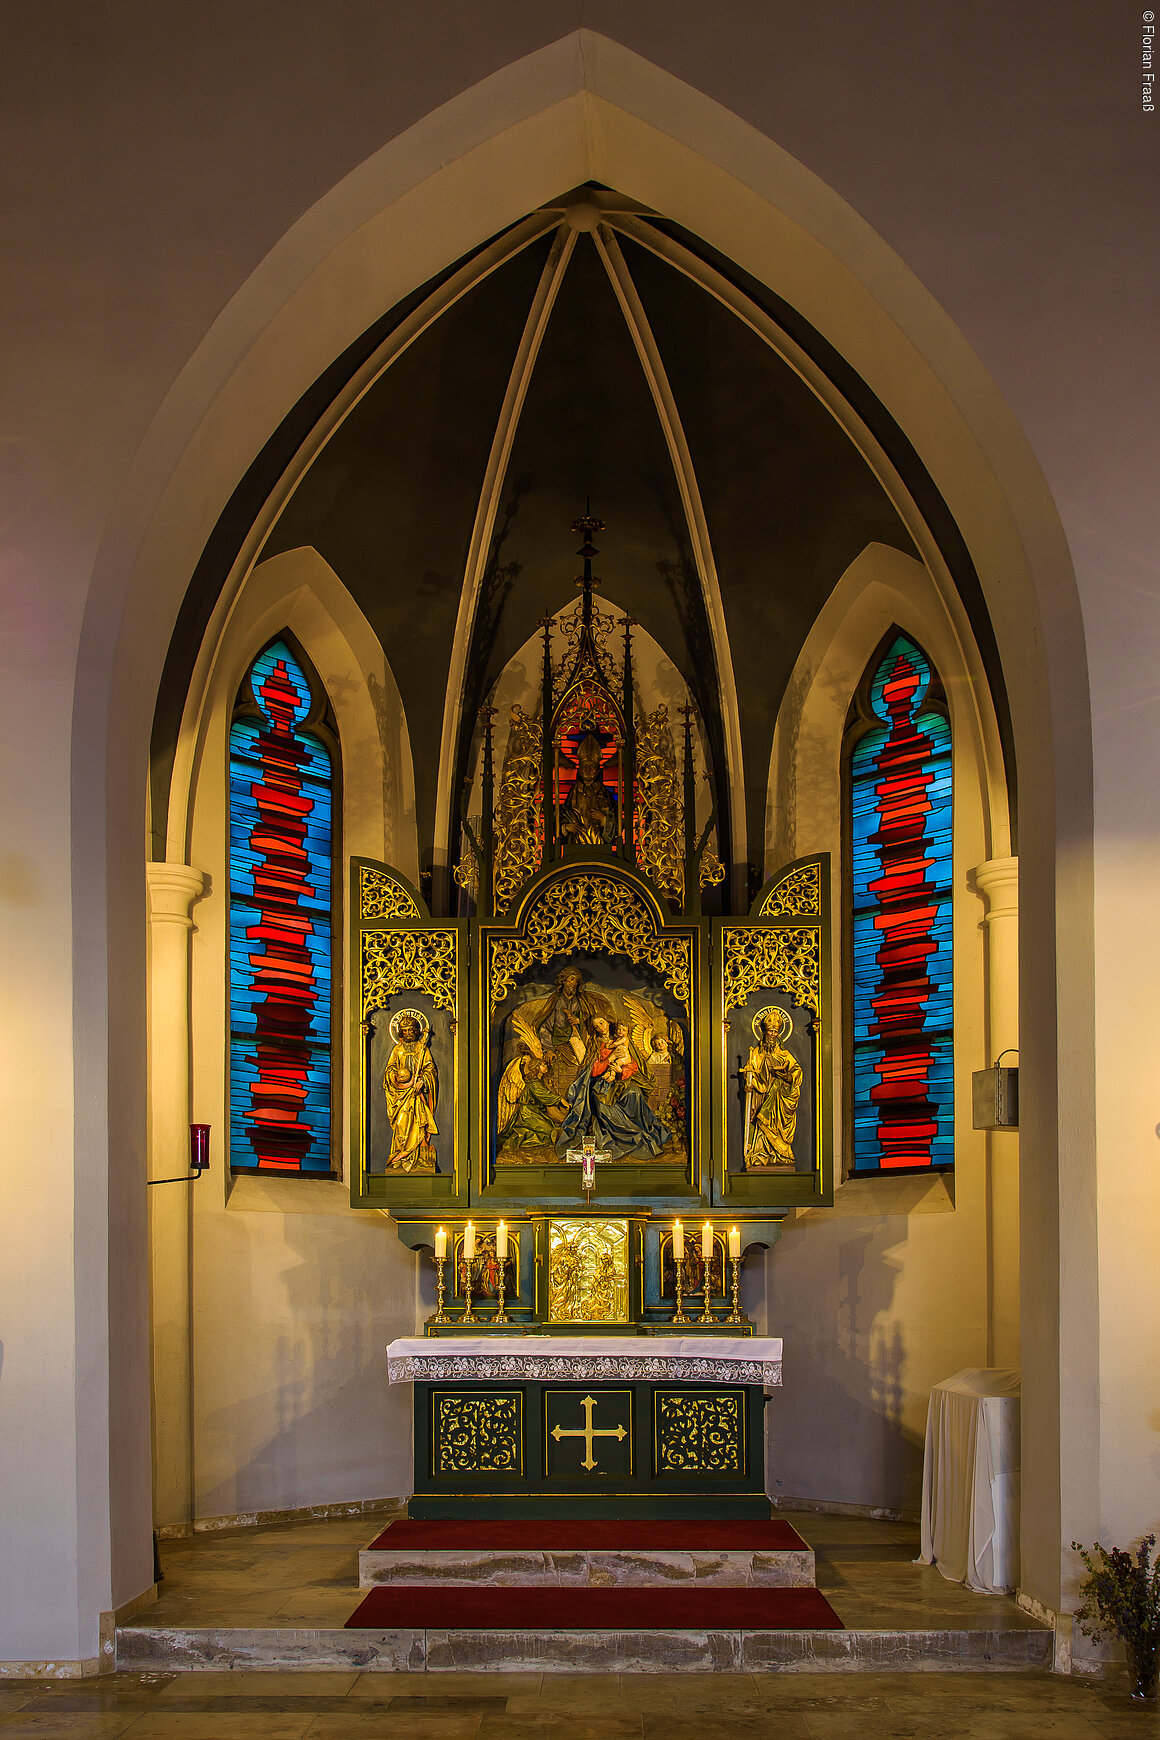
589, 1568
170, 1649
556, 1553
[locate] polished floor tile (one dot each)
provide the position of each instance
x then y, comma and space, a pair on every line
396, 1706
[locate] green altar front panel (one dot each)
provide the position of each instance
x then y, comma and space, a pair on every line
554, 1449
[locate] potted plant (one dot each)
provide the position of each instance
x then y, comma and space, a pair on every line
1121, 1598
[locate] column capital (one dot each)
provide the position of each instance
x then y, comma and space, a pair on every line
997, 881
173, 888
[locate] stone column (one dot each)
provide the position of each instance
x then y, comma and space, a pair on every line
997, 882
173, 888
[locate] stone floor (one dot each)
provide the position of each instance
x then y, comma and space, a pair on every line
350, 1706
306, 1574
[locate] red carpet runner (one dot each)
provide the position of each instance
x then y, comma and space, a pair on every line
564, 1537
426, 1608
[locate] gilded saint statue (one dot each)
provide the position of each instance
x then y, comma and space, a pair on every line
773, 1087
588, 813
411, 1089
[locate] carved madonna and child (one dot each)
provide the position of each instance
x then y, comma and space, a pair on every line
586, 1062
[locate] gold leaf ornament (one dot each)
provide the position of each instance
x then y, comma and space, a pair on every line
787, 959
380, 896
590, 913
409, 960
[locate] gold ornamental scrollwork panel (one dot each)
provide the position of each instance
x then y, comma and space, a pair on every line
798, 895
477, 1434
409, 960
699, 1434
783, 958
595, 913
380, 896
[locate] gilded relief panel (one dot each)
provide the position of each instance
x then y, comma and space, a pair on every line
587, 1271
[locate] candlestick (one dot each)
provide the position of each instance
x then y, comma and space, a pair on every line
707, 1263
679, 1270
678, 1242
736, 1315
468, 1259
734, 1244
440, 1289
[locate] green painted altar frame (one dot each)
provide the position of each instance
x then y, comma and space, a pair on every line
491, 1449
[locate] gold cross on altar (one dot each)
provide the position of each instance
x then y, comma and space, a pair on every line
588, 1432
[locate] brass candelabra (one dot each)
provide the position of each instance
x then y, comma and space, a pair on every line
440, 1292
707, 1315
736, 1315
468, 1315
501, 1315
679, 1269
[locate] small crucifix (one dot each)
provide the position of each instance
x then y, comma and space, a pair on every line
587, 1157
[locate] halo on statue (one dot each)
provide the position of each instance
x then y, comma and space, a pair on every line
785, 1023
415, 1015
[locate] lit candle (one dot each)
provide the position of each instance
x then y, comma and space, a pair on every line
678, 1242
469, 1242
707, 1243
440, 1244
734, 1245
501, 1242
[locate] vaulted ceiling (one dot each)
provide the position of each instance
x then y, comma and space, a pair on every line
602, 366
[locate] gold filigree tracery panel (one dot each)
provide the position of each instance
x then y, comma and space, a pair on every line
518, 822
409, 960
479, 1434
788, 958
380, 896
798, 895
594, 913
700, 1434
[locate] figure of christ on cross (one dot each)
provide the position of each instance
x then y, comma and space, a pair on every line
588, 1432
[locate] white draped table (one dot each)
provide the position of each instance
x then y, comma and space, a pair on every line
754, 1359
970, 1479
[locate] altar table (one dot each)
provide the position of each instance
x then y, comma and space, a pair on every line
588, 1425
970, 1479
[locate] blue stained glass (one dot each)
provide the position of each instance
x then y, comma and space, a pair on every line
902, 970
281, 943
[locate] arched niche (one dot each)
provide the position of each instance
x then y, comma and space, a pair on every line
587, 109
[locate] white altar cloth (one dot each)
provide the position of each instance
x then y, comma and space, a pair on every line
970, 1480
754, 1359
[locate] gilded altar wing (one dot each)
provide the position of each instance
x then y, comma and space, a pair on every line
511, 1087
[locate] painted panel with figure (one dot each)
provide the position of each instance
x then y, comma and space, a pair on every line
590, 1050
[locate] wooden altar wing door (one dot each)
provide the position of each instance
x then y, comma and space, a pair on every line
408, 1047
772, 1023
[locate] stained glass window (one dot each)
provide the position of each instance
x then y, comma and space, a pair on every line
900, 811
281, 948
